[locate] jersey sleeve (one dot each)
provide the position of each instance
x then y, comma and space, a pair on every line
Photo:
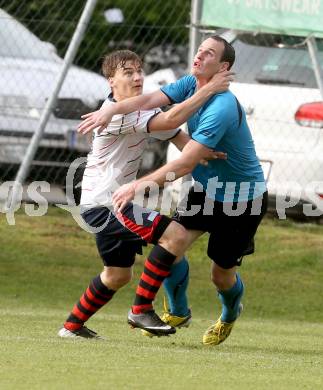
214, 122
180, 90
166, 135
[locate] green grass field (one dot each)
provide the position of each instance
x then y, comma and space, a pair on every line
46, 263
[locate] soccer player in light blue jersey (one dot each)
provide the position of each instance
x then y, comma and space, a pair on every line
229, 197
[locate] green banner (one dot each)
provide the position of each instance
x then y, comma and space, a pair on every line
290, 17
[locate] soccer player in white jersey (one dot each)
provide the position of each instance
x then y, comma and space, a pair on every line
113, 161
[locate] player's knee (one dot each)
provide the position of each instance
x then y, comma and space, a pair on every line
180, 236
175, 237
216, 279
223, 280
114, 280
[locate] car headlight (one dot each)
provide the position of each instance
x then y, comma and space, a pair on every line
18, 106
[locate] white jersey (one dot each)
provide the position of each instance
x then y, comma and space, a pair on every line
116, 155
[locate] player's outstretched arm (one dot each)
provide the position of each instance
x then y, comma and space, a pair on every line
183, 138
180, 113
101, 118
191, 155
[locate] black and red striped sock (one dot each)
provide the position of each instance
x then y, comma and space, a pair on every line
95, 296
156, 269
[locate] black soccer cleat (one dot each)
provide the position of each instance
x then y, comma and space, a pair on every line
150, 322
83, 332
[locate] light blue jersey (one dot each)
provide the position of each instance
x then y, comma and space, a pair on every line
216, 125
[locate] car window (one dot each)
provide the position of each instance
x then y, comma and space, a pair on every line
259, 63
16, 41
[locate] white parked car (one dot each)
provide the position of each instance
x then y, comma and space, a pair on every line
29, 68
276, 85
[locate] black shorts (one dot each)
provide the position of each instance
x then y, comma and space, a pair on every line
120, 237
231, 235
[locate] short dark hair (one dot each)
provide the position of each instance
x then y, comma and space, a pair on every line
228, 54
117, 59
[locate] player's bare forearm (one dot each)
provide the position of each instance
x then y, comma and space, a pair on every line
127, 192
180, 140
192, 154
183, 138
169, 172
142, 102
99, 120
181, 112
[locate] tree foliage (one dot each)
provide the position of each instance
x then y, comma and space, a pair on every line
147, 23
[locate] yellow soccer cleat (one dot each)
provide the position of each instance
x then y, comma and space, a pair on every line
170, 319
175, 321
218, 332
